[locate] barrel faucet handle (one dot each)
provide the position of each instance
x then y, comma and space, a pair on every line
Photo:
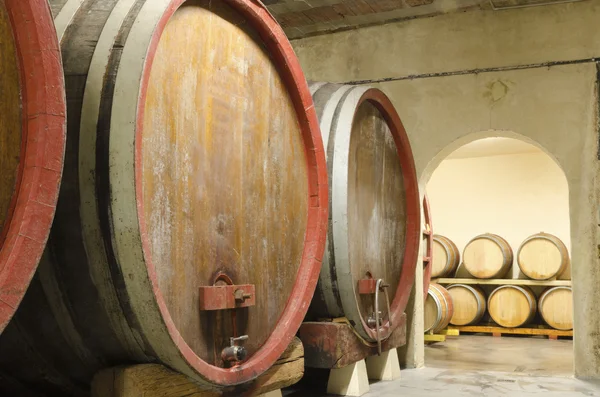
235, 353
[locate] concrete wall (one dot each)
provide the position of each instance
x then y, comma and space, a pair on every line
523, 73
514, 196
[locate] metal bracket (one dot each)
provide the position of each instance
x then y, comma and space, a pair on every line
222, 297
372, 286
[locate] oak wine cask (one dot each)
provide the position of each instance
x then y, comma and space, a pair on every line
543, 256
438, 308
445, 257
193, 207
556, 307
32, 143
512, 306
469, 304
374, 230
488, 256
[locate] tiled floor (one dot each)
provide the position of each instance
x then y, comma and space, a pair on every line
472, 366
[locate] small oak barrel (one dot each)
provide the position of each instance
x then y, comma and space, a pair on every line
445, 257
193, 207
488, 256
438, 308
428, 244
512, 306
543, 256
556, 307
469, 304
374, 232
32, 142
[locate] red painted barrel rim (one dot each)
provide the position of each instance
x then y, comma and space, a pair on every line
428, 248
285, 59
413, 210
42, 155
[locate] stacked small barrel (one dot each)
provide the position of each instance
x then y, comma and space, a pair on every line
541, 257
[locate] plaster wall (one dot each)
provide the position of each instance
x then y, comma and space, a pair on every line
513, 195
538, 84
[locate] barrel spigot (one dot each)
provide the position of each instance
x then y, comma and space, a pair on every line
235, 353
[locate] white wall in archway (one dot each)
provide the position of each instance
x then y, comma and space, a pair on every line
512, 195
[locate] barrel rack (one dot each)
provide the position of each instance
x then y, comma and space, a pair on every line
493, 328
154, 380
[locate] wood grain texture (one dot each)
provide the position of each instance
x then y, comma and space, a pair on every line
445, 257
469, 304
556, 307
376, 205
499, 331
154, 380
488, 256
10, 121
332, 345
224, 175
476, 281
543, 256
512, 306
438, 308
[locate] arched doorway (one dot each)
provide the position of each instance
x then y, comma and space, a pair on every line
502, 183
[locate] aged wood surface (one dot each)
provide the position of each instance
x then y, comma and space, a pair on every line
376, 205
438, 308
336, 345
224, 175
544, 256
469, 304
446, 257
154, 380
488, 256
10, 122
501, 281
512, 306
556, 307
489, 329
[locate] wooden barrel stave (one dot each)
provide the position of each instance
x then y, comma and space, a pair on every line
438, 308
512, 306
445, 257
109, 302
488, 256
544, 256
469, 304
362, 121
556, 307
32, 143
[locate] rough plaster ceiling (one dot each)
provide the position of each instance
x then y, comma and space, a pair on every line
493, 147
302, 18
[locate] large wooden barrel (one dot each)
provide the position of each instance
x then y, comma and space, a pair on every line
194, 202
32, 143
512, 306
543, 256
374, 231
438, 308
469, 304
488, 256
445, 257
428, 246
556, 307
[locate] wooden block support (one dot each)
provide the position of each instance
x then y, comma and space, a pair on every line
384, 367
154, 380
351, 380
333, 345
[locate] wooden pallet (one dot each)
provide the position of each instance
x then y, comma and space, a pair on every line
441, 337
499, 331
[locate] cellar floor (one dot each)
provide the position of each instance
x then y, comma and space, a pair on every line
470, 366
